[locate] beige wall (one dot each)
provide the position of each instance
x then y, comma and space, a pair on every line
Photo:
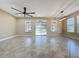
59, 26
20, 27
20, 22
7, 24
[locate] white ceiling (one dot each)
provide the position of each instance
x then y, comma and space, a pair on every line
43, 8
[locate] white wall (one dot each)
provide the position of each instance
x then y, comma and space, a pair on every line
7, 24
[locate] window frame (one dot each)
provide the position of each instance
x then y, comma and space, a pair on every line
67, 25
28, 23
77, 24
52, 21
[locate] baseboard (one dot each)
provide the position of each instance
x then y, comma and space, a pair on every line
72, 37
8, 38
38, 35
23, 35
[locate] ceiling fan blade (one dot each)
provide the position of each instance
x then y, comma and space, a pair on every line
18, 13
17, 10
31, 13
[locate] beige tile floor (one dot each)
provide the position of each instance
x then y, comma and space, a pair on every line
39, 47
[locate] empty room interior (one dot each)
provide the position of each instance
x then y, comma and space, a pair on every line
39, 28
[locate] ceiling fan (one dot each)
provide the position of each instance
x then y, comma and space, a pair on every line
24, 12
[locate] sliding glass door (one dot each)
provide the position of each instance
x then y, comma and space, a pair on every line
41, 27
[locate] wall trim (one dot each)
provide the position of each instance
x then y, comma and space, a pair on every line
7, 38
24, 35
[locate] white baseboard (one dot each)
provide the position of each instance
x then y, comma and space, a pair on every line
23, 35
7, 38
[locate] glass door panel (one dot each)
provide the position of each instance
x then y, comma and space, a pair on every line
41, 27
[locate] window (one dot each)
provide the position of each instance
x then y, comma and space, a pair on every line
70, 25
78, 24
53, 26
28, 26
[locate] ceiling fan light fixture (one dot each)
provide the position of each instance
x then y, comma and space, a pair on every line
24, 12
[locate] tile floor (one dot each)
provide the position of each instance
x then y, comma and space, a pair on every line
39, 47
